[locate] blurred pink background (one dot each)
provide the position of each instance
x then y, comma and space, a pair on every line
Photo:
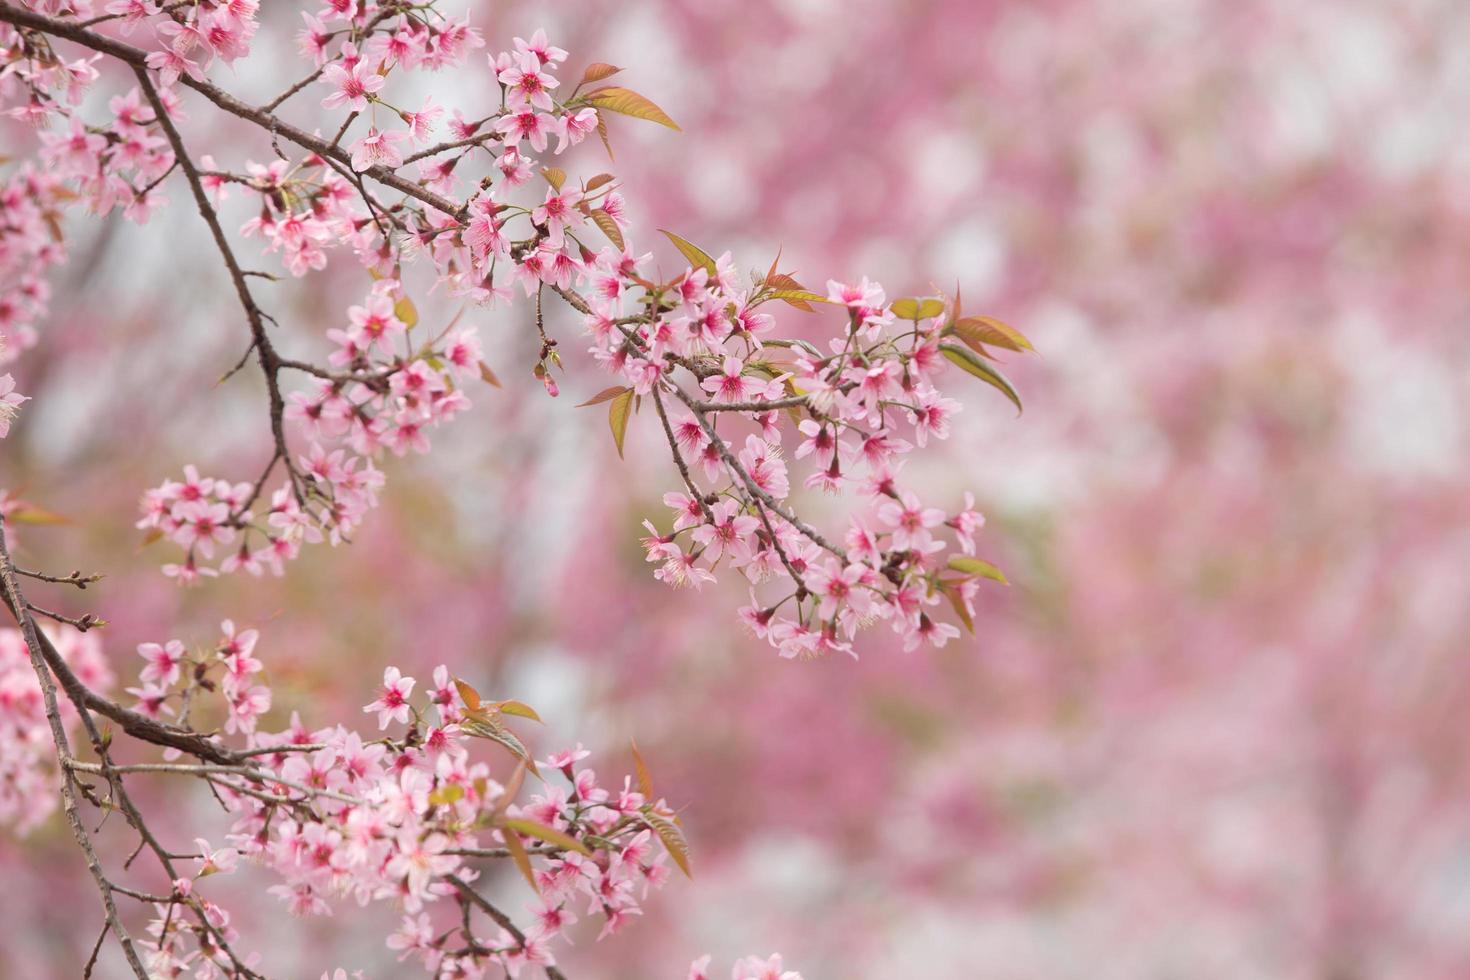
1217, 726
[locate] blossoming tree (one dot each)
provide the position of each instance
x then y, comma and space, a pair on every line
753, 381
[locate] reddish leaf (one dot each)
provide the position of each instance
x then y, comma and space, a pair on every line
597, 71
645, 779
606, 394
522, 860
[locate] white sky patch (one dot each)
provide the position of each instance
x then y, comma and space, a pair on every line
1404, 416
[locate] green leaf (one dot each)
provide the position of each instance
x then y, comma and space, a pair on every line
550, 835
519, 709
27, 514
406, 312
971, 364
974, 566
917, 309
618, 413
447, 794
697, 256
802, 344
626, 102
799, 298
977, 330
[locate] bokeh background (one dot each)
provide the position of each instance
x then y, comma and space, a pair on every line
1216, 728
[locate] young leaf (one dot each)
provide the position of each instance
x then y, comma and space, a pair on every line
782, 280
602, 135
645, 779
482, 724
488, 376
977, 330
519, 709
905, 309
974, 566
673, 841
801, 344
618, 413
555, 176
522, 861
406, 312
28, 514
605, 394
697, 256
550, 835
467, 694
917, 309
447, 794
957, 601
799, 298
628, 103
971, 364
597, 182
509, 794
597, 71
609, 227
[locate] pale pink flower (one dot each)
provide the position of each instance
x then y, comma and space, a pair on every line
164, 662
10, 402
392, 702
376, 149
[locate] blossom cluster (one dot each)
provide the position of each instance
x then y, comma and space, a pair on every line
31, 201
382, 394
851, 412
487, 216
30, 243
402, 817
28, 773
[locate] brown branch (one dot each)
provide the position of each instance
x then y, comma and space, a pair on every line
75, 578
270, 361
811, 533
499, 917
658, 404
796, 401
137, 57
16, 603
